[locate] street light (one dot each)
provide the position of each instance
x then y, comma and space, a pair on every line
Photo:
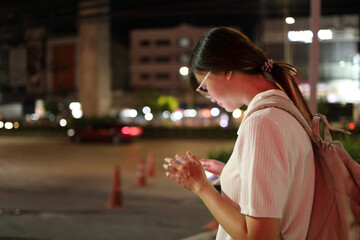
290, 20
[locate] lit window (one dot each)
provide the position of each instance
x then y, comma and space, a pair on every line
300, 36
307, 35
184, 58
184, 42
325, 34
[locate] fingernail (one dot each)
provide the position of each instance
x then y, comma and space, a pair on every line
165, 166
167, 160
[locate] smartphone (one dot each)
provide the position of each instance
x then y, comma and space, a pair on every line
210, 176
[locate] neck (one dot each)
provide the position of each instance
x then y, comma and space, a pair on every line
253, 85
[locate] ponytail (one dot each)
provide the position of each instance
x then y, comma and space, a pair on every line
285, 75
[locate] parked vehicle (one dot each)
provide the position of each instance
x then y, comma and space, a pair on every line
114, 133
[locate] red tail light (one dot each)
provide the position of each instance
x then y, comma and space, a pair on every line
132, 131
125, 130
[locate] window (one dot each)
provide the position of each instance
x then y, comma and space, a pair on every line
144, 43
184, 42
144, 76
162, 76
144, 59
184, 58
162, 59
163, 42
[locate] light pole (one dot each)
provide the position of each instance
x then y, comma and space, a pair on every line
287, 54
314, 53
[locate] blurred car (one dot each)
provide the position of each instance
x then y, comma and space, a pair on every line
114, 133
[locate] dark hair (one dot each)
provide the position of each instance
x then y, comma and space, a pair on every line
227, 49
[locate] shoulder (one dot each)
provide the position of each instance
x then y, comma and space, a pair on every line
269, 117
272, 126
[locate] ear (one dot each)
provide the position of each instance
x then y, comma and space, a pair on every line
228, 75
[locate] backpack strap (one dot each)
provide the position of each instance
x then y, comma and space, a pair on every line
319, 118
288, 106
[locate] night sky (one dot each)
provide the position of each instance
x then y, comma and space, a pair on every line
60, 17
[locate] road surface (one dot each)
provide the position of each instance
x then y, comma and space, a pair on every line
51, 188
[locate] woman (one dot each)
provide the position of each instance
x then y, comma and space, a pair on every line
268, 182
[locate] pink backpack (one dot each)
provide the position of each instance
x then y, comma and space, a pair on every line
336, 207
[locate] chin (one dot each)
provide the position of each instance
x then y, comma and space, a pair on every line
229, 109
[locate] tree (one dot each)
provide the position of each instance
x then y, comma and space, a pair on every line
168, 103
52, 107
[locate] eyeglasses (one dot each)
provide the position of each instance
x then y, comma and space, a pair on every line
202, 91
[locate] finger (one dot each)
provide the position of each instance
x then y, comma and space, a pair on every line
165, 166
176, 179
172, 162
180, 158
204, 162
170, 168
172, 176
207, 168
169, 160
193, 158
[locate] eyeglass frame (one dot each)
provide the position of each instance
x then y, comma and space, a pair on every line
200, 90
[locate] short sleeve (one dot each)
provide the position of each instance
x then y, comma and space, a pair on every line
265, 171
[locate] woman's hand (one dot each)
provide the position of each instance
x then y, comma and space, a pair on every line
187, 171
212, 166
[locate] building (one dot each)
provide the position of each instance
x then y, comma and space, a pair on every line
339, 60
156, 56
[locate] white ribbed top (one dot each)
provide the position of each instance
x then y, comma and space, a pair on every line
271, 170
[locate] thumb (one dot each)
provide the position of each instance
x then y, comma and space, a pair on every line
205, 163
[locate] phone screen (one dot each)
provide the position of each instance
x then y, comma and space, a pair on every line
211, 176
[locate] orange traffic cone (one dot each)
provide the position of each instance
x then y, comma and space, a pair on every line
116, 194
150, 165
140, 174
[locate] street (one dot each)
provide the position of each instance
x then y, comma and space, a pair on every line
51, 188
